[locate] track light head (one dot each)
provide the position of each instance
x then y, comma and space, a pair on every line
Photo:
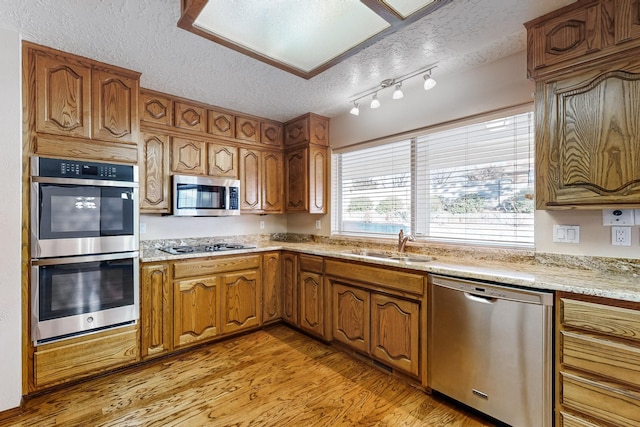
375, 103
397, 94
429, 83
356, 109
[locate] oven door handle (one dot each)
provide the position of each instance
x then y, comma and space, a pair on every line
75, 181
86, 258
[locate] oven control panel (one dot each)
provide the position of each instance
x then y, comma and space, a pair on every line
64, 168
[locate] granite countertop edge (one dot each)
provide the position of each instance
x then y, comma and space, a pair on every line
625, 287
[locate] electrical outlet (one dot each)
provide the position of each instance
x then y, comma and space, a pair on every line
318, 224
261, 225
621, 236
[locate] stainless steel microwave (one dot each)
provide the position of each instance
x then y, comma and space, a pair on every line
205, 196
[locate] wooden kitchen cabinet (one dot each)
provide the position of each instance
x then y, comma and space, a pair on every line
222, 160
290, 288
271, 133
196, 305
312, 299
90, 107
188, 156
155, 309
155, 108
261, 181
587, 139
351, 316
584, 60
190, 116
381, 313
221, 123
395, 332
597, 361
271, 287
155, 182
241, 300
115, 106
306, 180
307, 129
247, 129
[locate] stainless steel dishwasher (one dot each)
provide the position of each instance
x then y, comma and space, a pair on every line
490, 347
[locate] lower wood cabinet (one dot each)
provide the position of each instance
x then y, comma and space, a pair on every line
241, 300
290, 287
597, 362
381, 321
155, 309
271, 287
79, 357
196, 305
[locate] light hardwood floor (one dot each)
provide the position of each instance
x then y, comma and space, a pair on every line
274, 377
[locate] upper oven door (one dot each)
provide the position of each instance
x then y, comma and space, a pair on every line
80, 217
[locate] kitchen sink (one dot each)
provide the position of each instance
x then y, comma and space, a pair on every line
392, 256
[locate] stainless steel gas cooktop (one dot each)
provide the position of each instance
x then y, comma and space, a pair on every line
214, 247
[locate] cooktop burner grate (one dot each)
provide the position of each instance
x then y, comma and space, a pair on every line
216, 247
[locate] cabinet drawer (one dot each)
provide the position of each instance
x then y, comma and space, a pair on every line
207, 266
391, 279
65, 361
311, 263
604, 401
569, 420
614, 321
612, 359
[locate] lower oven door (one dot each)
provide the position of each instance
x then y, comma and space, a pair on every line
76, 295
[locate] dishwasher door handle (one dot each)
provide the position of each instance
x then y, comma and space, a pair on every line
480, 298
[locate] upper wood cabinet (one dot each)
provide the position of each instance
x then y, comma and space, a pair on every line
222, 124
271, 133
272, 182
191, 117
261, 181
310, 128
222, 160
582, 32
587, 138
587, 97
80, 98
306, 179
156, 108
154, 173
188, 156
247, 129
250, 180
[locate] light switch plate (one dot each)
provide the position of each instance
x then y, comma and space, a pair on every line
566, 233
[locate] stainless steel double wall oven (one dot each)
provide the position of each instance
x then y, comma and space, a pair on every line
84, 247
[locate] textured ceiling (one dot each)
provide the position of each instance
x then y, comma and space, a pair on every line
142, 35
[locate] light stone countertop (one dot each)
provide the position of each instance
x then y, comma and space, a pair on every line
621, 286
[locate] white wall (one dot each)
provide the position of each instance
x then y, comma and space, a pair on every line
10, 221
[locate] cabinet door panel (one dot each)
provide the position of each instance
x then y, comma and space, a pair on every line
115, 107
271, 287
351, 314
223, 160
395, 330
195, 310
241, 301
63, 97
156, 109
188, 156
311, 302
296, 181
250, 180
296, 132
190, 117
272, 191
247, 129
221, 123
155, 307
271, 133
290, 288
317, 179
154, 173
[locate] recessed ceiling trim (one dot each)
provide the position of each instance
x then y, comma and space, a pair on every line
191, 9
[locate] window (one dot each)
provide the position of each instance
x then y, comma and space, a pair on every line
469, 183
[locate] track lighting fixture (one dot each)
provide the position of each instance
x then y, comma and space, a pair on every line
396, 83
356, 109
374, 101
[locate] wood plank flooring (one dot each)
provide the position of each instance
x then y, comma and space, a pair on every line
274, 377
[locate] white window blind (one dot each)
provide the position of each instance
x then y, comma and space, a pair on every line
471, 183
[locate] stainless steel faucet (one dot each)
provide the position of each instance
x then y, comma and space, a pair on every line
402, 241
